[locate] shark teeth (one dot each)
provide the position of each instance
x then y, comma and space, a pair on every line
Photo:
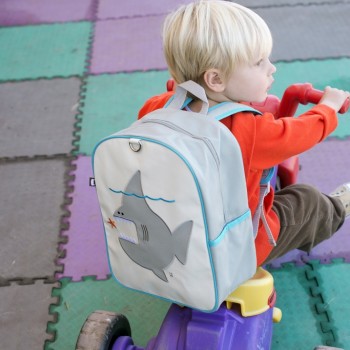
127, 238
122, 220
126, 229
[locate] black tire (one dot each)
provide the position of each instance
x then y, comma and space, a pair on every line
101, 329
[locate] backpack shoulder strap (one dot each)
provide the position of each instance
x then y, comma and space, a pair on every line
180, 97
225, 109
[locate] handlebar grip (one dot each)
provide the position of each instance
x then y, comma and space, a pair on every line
345, 107
314, 96
170, 85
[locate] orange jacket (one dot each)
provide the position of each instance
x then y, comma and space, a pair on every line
265, 142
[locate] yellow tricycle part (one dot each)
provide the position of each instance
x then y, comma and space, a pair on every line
253, 295
276, 315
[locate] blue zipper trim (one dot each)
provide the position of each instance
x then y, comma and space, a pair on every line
212, 108
187, 101
267, 178
228, 226
168, 102
224, 115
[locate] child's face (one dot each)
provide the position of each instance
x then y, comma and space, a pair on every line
250, 82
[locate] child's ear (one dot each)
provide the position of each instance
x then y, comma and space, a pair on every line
214, 81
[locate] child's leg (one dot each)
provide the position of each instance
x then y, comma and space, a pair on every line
307, 218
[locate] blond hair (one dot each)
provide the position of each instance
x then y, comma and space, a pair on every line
213, 34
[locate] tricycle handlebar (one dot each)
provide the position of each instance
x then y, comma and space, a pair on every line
304, 94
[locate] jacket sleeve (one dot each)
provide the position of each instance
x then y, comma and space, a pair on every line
279, 139
154, 103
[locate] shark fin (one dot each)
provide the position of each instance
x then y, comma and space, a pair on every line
181, 238
134, 185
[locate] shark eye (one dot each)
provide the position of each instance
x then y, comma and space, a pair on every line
120, 213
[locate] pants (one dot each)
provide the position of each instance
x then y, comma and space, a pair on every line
307, 218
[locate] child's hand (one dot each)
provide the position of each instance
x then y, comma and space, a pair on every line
334, 98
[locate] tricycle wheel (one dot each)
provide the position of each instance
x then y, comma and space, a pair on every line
101, 329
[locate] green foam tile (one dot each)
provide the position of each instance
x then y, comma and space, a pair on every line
112, 103
300, 327
320, 73
53, 50
79, 299
334, 280
335, 72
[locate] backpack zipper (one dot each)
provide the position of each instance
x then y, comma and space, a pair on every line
177, 128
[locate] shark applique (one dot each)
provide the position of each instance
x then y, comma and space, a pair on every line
157, 245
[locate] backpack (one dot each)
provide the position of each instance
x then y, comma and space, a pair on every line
173, 198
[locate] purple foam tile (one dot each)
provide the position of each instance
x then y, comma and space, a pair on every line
85, 250
336, 247
23, 12
327, 166
131, 8
295, 256
125, 45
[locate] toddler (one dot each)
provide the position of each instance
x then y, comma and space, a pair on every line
225, 48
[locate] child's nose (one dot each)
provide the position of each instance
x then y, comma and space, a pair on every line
273, 68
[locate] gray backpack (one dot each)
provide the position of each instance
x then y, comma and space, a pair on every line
173, 198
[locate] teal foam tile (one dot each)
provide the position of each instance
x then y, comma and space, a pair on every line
300, 327
334, 72
112, 102
334, 281
78, 299
52, 50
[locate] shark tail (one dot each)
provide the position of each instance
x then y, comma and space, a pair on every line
160, 274
181, 237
